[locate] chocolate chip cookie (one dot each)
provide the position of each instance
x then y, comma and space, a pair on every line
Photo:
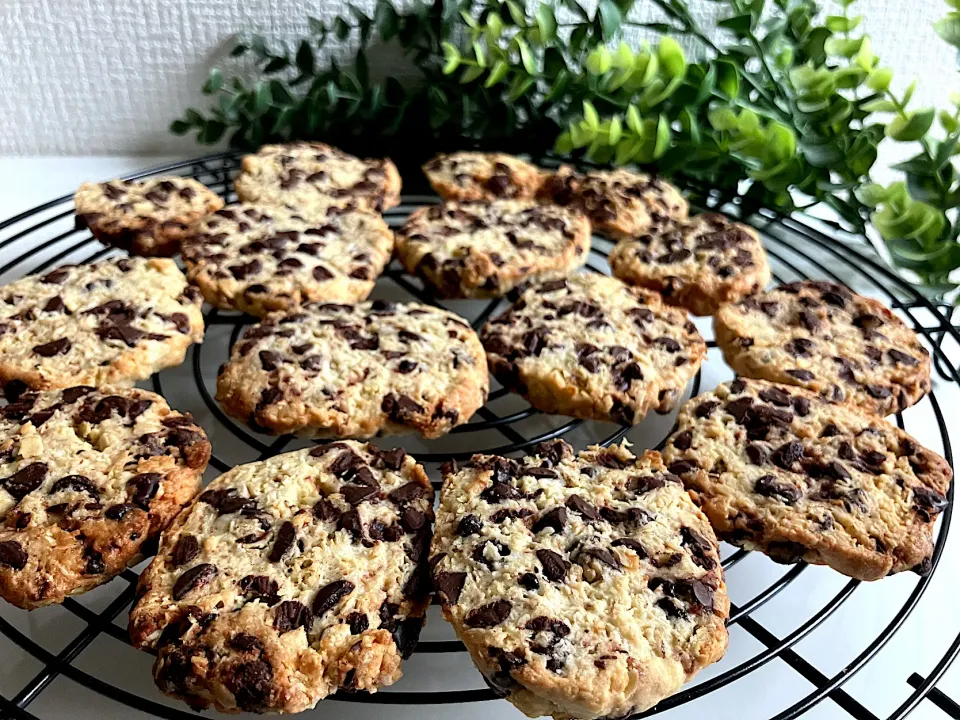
145, 217
329, 370
290, 578
584, 586
259, 258
114, 322
700, 263
89, 477
481, 250
469, 176
782, 470
591, 347
618, 202
307, 175
822, 336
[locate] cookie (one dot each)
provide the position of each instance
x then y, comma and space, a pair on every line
144, 217
331, 370
782, 470
584, 586
113, 322
594, 348
309, 175
290, 578
483, 250
699, 264
467, 176
618, 202
89, 478
822, 336
258, 258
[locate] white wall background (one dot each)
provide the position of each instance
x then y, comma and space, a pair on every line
82, 77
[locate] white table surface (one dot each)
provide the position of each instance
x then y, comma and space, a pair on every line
880, 686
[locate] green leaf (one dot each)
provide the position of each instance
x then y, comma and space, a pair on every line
386, 19
576, 7
262, 97
623, 58
634, 121
739, 25
280, 94
470, 74
276, 65
912, 127
228, 105
214, 82
948, 29
908, 93
452, 57
874, 106
305, 60
499, 71
553, 62
520, 86
211, 132
525, 56
879, 79
842, 47
671, 57
948, 121
516, 13
578, 38
563, 144
728, 78
480, 54
547, 22
341, 29
599, 60
610, 18
946, 150
316, 26
193, 117
841, 24
590, 115
615, 131
284, 117
180, 127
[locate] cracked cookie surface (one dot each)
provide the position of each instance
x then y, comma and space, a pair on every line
822, 336
290, 578
145, 217
467, 176
90, 476
700, 263
781, 470
110, 323
309, 175
477, 249
584, 586
258, 258
355, 370
618, 202
592, 347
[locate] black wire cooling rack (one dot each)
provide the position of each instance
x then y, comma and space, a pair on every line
60, 649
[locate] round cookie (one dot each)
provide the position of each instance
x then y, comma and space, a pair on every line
699, 264
145, 217
594, 348
331, 370
113, 322
618, 202
467, 176
781, 470
258, 258
822, 336
290, 578
482, 250
89, 477
584, 586
308, 175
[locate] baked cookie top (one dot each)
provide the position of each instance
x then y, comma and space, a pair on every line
89, 477
113, 322
585, 585
700, 263
147, 217
307, 175
259, 258
781, 470
479, 249
290, 578
469, 176
619, 203
822, 336
356, 370
591, 347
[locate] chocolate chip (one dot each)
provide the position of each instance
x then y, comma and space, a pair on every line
929, 502
25, 480
555, 519
80, 483
579, 505
285, 538
193, 578
241, 272
879, 392
118, 512
800, 374
768, 486
350, 521
55, 277
809, 320
260, 587
291, 615
799, 347
632, 545
330, 594
269, 360
145, 486
489, 615
682, 467
787, 454
12, 554
554, 566
449, 585
186, 549
529, 581
51, 349
757, 454
400, 408
776, 396
500, 491
706, 408
683, 440
469, 525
